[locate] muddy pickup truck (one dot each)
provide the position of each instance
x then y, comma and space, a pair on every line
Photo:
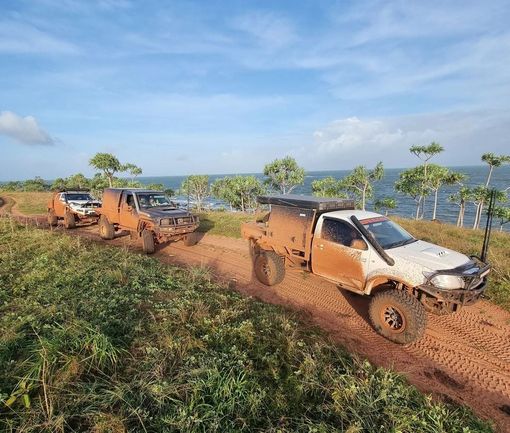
146, 214
368, 254
72, 207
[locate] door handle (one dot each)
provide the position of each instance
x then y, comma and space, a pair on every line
320, 246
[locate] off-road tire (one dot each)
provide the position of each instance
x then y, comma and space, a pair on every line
69, 220
269, 268
106, 229
148, 244
410, 315
52, 218
190, 239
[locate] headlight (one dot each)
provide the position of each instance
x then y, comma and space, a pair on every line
443, 281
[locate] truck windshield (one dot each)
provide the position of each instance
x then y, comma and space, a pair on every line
148, 200
77, 196
387, 233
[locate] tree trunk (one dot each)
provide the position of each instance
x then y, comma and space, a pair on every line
476, 222
110, 181
435, 204
418, 209
489, 175
363, 197
460, 219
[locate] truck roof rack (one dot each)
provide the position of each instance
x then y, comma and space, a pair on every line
307, 202
73, 190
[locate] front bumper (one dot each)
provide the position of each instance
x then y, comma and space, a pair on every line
475, 277
458, 296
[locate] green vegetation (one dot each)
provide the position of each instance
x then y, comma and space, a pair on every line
224, 223
197, 188
240, 192
283, 175
358, 185
99, 339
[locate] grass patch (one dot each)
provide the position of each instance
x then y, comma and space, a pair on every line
224, 223
99, 339
29, 203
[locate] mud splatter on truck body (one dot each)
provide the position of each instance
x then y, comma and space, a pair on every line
368, 254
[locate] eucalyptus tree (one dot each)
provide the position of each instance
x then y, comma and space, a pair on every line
386, 204
437, 176
493, 161
77, 180
425, 153
328, 187
411, 183
503, 215
240, 192
133, 170
360, 182
284, 174
461, 197
197, 188
108, 164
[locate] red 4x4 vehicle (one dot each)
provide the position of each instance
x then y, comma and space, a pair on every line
147, 214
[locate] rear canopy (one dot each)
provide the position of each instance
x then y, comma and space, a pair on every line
307, 202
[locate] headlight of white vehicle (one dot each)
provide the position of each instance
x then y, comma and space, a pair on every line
443, 281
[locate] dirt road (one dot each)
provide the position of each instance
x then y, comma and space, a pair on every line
464, 357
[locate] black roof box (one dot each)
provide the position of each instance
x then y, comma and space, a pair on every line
307, 202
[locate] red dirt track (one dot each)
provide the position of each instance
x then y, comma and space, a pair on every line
463, 357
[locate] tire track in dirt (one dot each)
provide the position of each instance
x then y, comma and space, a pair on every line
462, 357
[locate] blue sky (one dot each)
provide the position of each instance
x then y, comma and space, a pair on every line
182, 87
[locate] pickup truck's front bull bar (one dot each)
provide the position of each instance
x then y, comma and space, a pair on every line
475, 283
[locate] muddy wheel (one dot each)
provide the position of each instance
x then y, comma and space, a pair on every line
269, 268
148, 244
191, 239
398, 316
52, 218
69, 221
106, 229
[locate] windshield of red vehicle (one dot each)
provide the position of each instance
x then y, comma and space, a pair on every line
148, 200
387, 233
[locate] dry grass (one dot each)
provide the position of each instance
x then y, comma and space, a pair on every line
29, 203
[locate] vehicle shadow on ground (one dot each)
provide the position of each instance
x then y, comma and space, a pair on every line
359, 303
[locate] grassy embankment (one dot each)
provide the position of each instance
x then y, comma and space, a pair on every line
464, 240
100, 339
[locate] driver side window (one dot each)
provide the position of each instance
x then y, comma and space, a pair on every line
342, 233
130, 201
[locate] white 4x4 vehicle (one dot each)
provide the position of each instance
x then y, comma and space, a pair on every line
366, 253
72, 206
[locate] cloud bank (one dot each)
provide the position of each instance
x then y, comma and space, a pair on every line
24, 130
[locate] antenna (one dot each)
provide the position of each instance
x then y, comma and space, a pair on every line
488, 227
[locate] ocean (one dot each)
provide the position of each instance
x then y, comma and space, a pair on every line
406, 206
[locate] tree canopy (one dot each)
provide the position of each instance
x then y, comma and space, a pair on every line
284, 174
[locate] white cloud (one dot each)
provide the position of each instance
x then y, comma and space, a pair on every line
23, 129
351, 141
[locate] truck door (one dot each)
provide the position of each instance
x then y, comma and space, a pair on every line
59, 204
128, 215
340, 254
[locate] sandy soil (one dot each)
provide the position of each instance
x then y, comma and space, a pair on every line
463, 357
